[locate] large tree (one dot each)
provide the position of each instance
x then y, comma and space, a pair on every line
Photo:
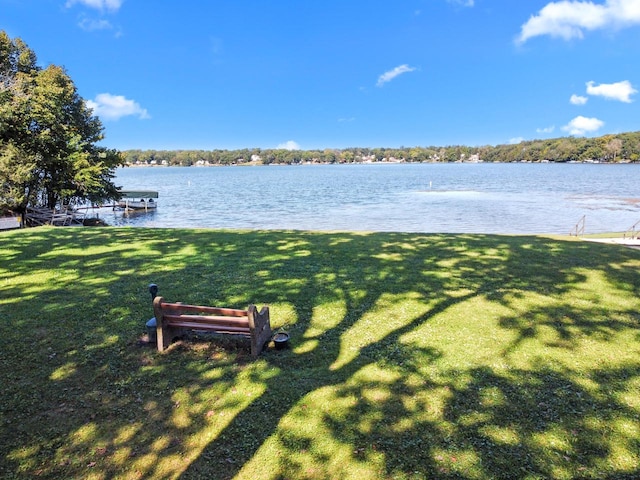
48, 136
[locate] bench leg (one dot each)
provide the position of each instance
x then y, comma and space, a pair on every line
260, 327
164, 334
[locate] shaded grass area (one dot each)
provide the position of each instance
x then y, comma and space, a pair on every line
412, 356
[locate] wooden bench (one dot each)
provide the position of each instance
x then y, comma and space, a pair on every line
172, 319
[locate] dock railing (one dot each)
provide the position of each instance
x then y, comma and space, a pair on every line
578, 230
632, 232
36, 216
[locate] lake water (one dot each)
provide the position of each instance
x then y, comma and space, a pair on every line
452, 198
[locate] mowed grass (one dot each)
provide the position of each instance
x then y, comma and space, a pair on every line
411, 356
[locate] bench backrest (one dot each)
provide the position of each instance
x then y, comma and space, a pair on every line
174, 313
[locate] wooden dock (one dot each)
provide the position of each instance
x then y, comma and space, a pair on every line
37, 216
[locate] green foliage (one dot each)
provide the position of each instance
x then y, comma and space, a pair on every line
412, 356
47, 129
17, 176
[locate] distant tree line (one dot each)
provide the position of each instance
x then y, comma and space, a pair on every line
620, 148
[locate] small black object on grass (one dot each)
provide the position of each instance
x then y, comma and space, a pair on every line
281, 340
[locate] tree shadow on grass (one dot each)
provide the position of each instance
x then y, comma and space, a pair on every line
375, 384
498, 278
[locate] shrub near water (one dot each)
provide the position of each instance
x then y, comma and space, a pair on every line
411, 356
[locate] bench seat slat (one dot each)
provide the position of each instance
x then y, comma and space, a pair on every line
211, 328
209, 319
226, 312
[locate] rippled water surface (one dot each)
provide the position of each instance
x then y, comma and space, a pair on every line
456, 198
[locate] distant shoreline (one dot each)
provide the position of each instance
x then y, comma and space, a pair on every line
307, 164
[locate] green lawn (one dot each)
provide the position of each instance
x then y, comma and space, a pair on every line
412, 356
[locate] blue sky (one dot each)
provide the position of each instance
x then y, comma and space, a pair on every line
230, 74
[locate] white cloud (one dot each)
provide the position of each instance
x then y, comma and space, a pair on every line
583, 125
110, 5
464, 3
114, 107
92, 25
569, 19
620, 91
546, 129
516, 140
578, 100
290, 145
391, 74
